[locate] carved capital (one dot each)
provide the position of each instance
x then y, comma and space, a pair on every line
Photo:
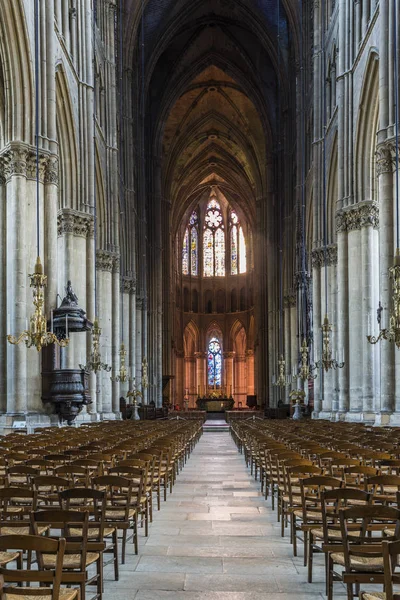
51, 170
104, 260
289, 299
317, 258
139, 303
72, 221
116, 264
128, 285
249, 353
229, 355
331, 255
384, 160
200, 355
363, 214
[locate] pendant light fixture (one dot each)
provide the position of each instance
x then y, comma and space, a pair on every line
123, 373
37, 334
392, 333
95, 363
281, 381
302, 370
327, 360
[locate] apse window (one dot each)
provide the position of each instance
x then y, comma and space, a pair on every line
238, 246
190, 259
214, 241
214, 367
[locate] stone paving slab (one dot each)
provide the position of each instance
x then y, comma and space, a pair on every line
216, 538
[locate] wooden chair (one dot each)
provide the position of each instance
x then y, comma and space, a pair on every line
43, 547
360, 557
119, 512
94, 502
139, 498
78, 556
390, 552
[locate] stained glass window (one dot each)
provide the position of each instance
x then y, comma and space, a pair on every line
193, 250
208, 252
242, 252
234, 251
190, 251
238, 246
214, 241
185, 253
214, 363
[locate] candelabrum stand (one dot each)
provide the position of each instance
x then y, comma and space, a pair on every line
297, 397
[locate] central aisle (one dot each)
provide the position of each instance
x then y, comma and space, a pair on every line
215, 539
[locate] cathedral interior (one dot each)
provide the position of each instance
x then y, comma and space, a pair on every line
199, 299
212, 189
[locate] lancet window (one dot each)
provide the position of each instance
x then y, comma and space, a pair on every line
213, 241
238, 246
214, 363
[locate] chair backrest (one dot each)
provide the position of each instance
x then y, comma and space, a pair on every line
41, 546
357, 523
390, 551
118, 496
136, 476
91, 500
16, 501
73, 526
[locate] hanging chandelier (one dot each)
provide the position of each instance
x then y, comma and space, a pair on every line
37, 334
95, 363
392, 334
327, 361
282, 380
305, 372
123, 373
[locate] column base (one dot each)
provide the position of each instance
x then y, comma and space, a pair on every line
325, 415
27, 422
360, 417
112, 416
394, 419
382, 419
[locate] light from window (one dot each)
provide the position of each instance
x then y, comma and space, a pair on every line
242, 252
193, 250
185, 253
214, 366
238, 246
214, 241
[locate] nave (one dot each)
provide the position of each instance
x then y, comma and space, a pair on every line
216, 538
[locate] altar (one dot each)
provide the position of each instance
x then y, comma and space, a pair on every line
213, 404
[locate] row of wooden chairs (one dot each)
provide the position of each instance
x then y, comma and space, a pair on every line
338, 497
89, 491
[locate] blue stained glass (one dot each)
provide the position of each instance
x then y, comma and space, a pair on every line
219, 253
185, 254
193, 250
214, 366
208, 252
234, 251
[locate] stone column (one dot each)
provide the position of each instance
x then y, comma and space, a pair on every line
240, 379
331, 399
250, 372
384, 171
4, 325
355, 323
17, 283
318, 315
116, 335
201, 374
139, 355
104, 265
342, 334
228, 372
90, 309
369, 223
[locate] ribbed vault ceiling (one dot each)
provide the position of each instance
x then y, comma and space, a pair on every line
214, 77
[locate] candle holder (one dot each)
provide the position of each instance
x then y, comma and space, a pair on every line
392, 334
134, 393
37, 334
327, 362
95, 363
123, 374
297, 397
305, 372
283, 380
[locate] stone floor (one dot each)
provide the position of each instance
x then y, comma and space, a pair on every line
215, 539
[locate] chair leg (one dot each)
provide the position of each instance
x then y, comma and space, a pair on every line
330, 578
350, 594
310, 556
294, 538
115, 544
135, 534
100, 578
123, 546
305, 542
